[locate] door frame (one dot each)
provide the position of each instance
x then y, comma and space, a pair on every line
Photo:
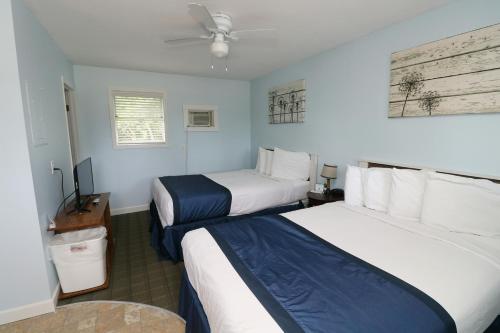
72, 121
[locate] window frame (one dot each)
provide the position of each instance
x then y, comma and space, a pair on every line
190, 107
111, 101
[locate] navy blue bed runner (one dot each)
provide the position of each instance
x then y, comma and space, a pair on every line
309, 285
196, 197
167, 241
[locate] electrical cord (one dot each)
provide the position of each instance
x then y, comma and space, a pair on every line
64, 201
62, 184
62, 191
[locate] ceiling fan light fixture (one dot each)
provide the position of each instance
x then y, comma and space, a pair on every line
218, 29
219, 49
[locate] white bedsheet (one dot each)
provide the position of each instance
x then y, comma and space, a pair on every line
461, 272
250, 191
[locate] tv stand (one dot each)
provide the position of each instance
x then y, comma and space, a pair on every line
96, 216
80, 209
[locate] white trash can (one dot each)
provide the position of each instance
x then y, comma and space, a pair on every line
80, 258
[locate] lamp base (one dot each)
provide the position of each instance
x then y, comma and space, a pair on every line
326, 190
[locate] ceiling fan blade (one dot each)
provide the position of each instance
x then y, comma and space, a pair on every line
187, 41
248, 43
237, 34
201, 14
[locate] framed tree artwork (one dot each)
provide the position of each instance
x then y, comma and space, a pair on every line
456, 75
287, 103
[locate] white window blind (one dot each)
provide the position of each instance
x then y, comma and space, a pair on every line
138, 118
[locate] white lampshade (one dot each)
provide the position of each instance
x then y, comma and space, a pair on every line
329, 171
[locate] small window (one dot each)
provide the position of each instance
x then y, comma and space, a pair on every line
138, 119
200, 118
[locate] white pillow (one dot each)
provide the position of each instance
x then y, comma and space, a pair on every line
407, 193
462, 204
353, 188
377, 188
261, 160
290, 165
269, 161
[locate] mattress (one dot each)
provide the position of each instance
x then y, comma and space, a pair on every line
250, 191
461, 272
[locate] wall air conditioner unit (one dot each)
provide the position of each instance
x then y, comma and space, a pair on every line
200, 118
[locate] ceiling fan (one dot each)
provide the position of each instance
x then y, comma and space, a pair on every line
218, 31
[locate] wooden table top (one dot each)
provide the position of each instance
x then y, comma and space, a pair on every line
332, 196
77, 221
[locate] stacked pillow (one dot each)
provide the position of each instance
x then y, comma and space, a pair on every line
377, 188
264, 161
354, 183
462, 204
457, 204
407, 192
283, 164
264, 157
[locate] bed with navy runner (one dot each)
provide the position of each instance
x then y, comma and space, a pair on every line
196, 197
309, 285
167, 240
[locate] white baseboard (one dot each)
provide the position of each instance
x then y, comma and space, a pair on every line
30, 310
55, 294
131, 209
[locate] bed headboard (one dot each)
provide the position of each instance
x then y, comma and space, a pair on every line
313, 171
376, 164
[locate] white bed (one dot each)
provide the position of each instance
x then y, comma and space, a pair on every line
459, 271
250, 191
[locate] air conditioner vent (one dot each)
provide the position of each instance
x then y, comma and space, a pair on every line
200, 118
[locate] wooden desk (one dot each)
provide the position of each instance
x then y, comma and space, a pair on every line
99, 215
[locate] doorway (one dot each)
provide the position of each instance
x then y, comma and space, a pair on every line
71, 122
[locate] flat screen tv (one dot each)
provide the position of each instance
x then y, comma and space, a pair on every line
84, 184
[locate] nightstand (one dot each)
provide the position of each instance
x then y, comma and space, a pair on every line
316, 199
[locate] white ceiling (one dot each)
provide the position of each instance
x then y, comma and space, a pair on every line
129, 33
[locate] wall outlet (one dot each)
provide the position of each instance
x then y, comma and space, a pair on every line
52, 167
52, 223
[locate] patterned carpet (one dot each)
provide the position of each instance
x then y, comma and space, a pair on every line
137, 274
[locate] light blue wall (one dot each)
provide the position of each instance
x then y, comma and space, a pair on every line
347, 102
128, 173
42, 65
23, 274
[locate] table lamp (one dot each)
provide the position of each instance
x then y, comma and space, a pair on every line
329, 172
